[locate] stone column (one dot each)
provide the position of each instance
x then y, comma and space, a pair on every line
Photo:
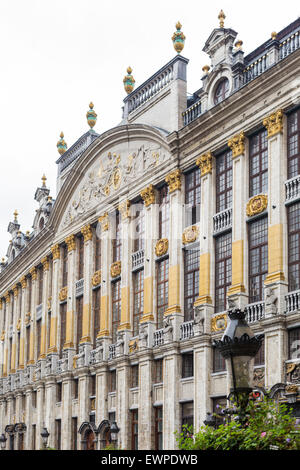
70, 294
202, 370
33, 315
239, 198
175, 310
171, 409
102, 390
122, 403
14, 324
83, 395
275, 349
104, 333
50, 408
40, 409
23, 282
28, 413
66, 415
145, 400
87, 290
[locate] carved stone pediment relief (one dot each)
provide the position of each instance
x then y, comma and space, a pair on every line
113, 170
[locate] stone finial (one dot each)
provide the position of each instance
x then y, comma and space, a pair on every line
16, 216
178, 38
274, 35
205, 69
129, 81
61, 144
91, 116
238, 44
221, 18
44, 179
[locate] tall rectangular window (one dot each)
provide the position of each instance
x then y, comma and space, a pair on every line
65, 266
187, 415
293, 141
97, 252
191, 281
258, 163
158, 428
134, 376
258, 258
219, 364
116, 308
29, 298
139, 228
294, 246
259, 359
79, 312
58, 434
158, 371
193, 195
74, 433
27, 344
38, 337
80, 257
117, 241
162, 290
112, 381
96, 312
224, 181
187, 365
134, 429
222, 270
40, 285
138, 299
164, 212
63, 319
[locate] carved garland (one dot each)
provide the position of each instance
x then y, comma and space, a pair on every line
256, 205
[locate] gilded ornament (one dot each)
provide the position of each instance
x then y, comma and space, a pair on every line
70, 242
23, 282
256, 204
148, 195
190, 234
45, 263
274, 35
117, 177
178, 38
63, 293
205, 163
205, 69
133, 346
129, 81
103, 220
27, 318
16, 216
96, 278
18, 326
161, 247
49, 302
174, 180
221, 18
124, 209
93, 404
2, 337
44, 179
238, 44
115, 269
274, 123
33, 273
87, 232
91, 116
237, 145
290, 368
7, 297
55, 251
15, 291
219, 322
61, 144
291, 388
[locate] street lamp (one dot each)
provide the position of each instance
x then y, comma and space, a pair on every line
44, 435
239, 346
114, 432
3, 440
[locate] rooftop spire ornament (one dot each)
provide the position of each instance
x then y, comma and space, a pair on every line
16, 215
178, 38
44, 180
221, 18
129, 81
61, 144
91, 116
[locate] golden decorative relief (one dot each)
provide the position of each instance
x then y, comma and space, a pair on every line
23, 282
115, 269
2, 337
116, 178
290, 368
148, 195
55, 251
256, 204
124, 209
205, 163
87, 232
63, 293
18, 326
237, 145
93, 404
15, 291
45, 263
1, 304
161, 247
27, 318
133, 345
49, 302
174, 180
96, 278
7, 297
70, 242
103, 220
190, 234
291, 388
219, 322
274, 123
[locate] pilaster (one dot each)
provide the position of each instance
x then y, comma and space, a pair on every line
171, 410
122, 403
23, 282
87, 289
55, 299
202, 370
105, 259
145, 402
33, 316
70, 241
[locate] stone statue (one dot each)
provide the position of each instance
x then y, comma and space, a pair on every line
48, 365
270, 301
232, 306
98, 355
80, 357
199, 320
168, 329
26, 376
120, 344
143, 336
38, 370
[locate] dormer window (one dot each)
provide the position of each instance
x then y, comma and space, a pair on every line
222, 91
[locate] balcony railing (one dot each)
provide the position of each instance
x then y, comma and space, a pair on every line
255, 312
255, 69
112, 351
137, 259
292, 189
187, 330
222, 220
158, 337
192, 113
292, 301
79, 287
289, 45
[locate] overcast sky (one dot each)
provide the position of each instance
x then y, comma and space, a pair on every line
58, 55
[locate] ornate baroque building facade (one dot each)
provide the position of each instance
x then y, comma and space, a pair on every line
109, 307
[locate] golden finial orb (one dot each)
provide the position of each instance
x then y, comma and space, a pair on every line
238, 44
128, 81
205, 69
221, 18
91, 115
61, 144
44, 180
16, 215
273, 35
178, 38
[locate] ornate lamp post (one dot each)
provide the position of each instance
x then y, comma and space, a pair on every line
239, 346
3, 440
44, 435
114, 430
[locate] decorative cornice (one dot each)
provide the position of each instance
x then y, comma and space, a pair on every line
87, 232
33, 273
63, 293
23, 282
96, 278
115, 269
190, 234
70, 242
148, 195
45, 263
103, 220
55, 249
256, 204
274, 123
174, 180
237, 145
161, 247
205, 163
124, 209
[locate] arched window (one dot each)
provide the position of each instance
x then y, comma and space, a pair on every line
41, 224
222, 91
